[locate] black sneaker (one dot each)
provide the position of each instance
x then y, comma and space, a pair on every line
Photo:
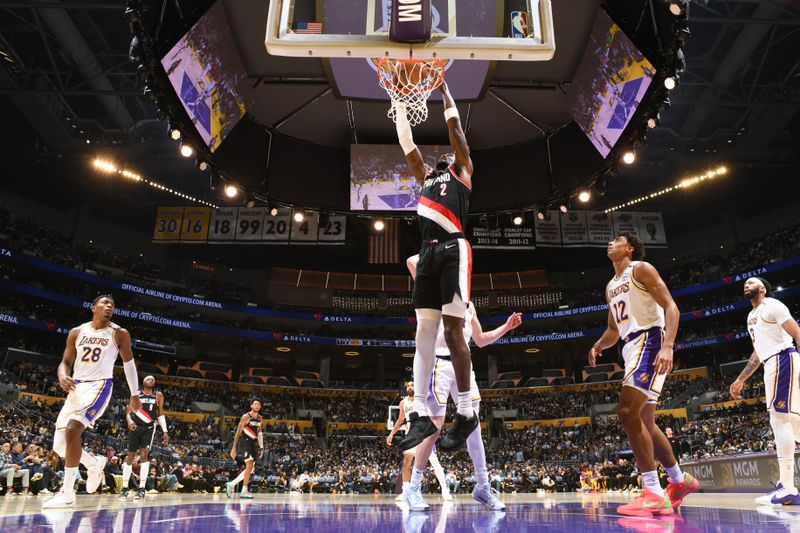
456, 437
140, 494
124, 494
421, 428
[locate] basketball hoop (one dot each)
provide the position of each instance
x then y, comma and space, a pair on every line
410, 82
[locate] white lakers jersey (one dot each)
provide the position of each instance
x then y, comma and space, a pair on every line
97, 352
632, 307
441, 344
408, 408
765, 326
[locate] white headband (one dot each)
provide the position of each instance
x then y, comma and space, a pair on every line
756, 281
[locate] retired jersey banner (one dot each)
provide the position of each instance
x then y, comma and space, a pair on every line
651, 229
246, 225
504, 236
574, 231
548, 231
600, 228
626, 221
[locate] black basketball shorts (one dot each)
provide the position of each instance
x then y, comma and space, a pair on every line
444, 272
141, 437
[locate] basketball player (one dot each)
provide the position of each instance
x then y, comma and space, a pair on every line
441, 290
772, 329
86, 373
442, 384
642, 312
250, 427
142, 426
409, 455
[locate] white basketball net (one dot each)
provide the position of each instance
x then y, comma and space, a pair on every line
410, 82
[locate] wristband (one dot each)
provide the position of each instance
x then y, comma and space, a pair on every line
451, 112
132, 377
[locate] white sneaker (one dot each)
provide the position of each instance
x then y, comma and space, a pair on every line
400, 497
59, 501
45, 492
488, 497
446, 496
152, 491
415, 500
94, 475
779, 496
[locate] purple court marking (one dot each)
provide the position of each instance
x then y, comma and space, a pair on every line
306, 515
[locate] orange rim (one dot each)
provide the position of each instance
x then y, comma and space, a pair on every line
436, 65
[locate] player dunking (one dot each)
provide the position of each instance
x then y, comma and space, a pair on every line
86, 373
642, 312
442, 385
142, 426
250, 428
409, 456
772, 328
442, 287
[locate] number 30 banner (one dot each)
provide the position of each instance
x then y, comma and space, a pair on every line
240, 225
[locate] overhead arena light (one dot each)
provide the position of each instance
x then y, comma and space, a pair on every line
175, 134
378, 225
517, 220
187, 150
532, 350
273, 211
628, 157
540, 214
299, 216
654, 121
283, 349
231, 191
584, 196
670, 82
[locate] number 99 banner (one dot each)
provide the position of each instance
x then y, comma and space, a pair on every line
254, 225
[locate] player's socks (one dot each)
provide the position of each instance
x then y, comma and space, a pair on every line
650, 480
675, 473
127, 470
144, 469
239, 478
438, 470
424, 359
478, 455
464, 404
416, 478
69, 481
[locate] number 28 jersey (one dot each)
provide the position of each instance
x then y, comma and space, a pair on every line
632, 307
443, 205
97, 352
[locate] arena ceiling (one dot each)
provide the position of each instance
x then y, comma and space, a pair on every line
65, 77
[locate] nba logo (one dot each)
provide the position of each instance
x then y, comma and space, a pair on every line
519, 24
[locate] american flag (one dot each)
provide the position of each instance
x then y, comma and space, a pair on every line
384, 245
307, 27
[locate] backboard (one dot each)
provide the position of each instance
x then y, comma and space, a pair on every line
513, 30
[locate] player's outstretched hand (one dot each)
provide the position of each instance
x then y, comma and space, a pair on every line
443, 87
514, 320
735, 389
166, 439
233, 454
67, 383
135, 403
389, 440
132, 426
594, 353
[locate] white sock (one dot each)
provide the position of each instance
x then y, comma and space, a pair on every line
239, 478
416, 479
464, 404
144, 468
784, 444
478, 456
127, 470
650, 480
69, 480
88, 460
438, 471
424, 358
675, 473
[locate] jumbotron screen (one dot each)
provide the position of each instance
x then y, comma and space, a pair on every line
380, 179
206, 72
611, 81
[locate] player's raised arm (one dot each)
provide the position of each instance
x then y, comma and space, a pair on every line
413, 156
64, 371
162, 420
648, 276
123, 339
242, 423
485, 338
458, 141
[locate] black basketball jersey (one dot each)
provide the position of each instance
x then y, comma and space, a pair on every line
253, 426
443, 205
146, 416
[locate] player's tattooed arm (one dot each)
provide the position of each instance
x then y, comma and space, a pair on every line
736, 387
64, 372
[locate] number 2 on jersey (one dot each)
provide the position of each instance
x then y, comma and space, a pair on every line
90, 355
442, 189
619, 312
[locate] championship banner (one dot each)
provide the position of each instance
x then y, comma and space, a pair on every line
505, 236
168, 224
626, 221
651, 229
600, 228
548, 231
574, 231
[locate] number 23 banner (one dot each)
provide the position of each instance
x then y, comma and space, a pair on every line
240, 225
